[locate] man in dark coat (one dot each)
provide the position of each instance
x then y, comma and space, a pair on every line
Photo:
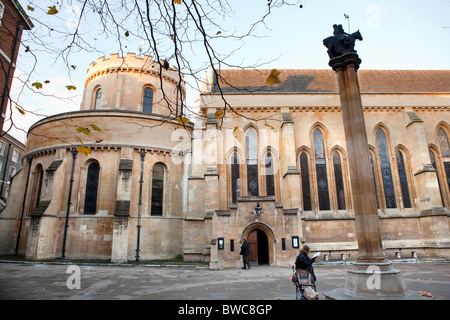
244, 253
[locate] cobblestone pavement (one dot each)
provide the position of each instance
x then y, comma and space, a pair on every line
53, 281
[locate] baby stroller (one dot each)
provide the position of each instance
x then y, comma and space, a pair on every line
304, 285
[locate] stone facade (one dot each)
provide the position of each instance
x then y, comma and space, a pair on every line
164, 189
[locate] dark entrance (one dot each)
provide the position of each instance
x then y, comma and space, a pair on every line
258, 247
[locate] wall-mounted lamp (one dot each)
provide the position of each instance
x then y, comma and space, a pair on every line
258, 210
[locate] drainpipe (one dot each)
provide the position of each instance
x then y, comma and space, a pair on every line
140, 205
74, 156
23, 205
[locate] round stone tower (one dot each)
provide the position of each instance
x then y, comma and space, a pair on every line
123, 199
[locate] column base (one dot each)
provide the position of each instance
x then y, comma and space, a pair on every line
372, 281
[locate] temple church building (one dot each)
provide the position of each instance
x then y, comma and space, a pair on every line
267, 163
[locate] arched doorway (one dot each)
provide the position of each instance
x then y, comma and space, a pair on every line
258, 239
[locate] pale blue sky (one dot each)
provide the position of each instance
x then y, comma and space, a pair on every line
398, 34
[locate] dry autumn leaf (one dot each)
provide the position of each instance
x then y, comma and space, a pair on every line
219, 114
52, 10
84, 150
273, 77
37, 85
22, 112
182, 120
237, 133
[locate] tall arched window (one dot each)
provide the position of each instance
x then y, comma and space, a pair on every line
90, 197
270, 187
234, 177
147, 103
98, 98
433, 163
403, 179
386, 173
445, 152
339, 181
321, 170
40, 175
372, 167
252, 163
306, 188
157, 190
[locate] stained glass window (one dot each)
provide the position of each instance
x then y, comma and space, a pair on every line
340, 193
403, 180
386, 173
157, 190
372, 167
90, 198
321, 170
270, 188
445, 151
234, 177
306, 188
98, 98
252, 163
148, 100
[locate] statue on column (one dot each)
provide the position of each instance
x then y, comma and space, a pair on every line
341, 42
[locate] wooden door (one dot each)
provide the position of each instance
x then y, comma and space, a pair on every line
252, 240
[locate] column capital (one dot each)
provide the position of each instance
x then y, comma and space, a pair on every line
345, 60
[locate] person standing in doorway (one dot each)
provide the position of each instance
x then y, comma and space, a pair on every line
244, 253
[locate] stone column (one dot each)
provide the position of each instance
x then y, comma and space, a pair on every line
372, 274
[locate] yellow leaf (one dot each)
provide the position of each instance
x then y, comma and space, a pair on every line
71, 88
37, 85
52, 10
86, 131
93, 126
271, 127
22, 112
84, 150
177, 1
219, 114
182, 120
30, 8
237, 133
273, 77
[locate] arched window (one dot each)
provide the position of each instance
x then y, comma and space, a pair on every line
157, 190
403, 179
90, 197
372, 167
445, 152
339, 181
433, 163
234, 177
98, 98
147, 103
306, 188
270, 187
386, 173
321, 170
40, 175
252, 163
36, 187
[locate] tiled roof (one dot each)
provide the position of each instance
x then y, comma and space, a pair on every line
324, 80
